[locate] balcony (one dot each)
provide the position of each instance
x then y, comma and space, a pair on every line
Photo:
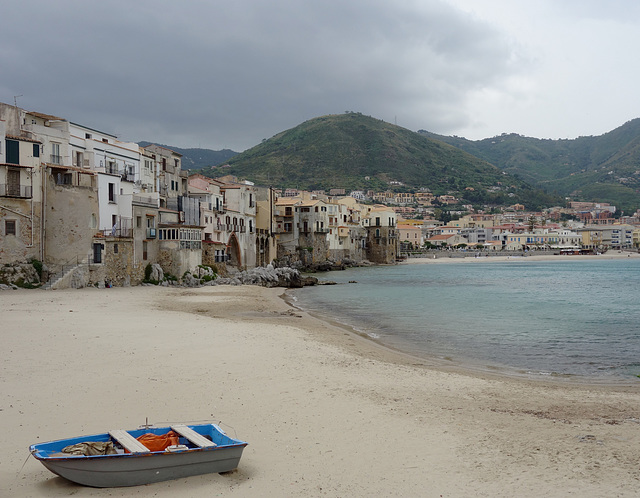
111, 169
151, 233
148, 201
123, 233
15, 190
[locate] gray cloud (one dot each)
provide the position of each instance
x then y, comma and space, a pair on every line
228, 74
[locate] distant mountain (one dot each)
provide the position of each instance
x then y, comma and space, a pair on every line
354, 151
199, 158
604, 168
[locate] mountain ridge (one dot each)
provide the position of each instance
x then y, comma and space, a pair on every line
604, 168
197, 158
358, 152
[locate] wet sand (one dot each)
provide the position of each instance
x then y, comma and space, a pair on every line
325, 412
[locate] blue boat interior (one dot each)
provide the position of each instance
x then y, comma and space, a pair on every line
209, 431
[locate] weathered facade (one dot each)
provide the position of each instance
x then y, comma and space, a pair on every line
382, 237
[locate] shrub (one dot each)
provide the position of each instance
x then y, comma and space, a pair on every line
37, 265
147, 272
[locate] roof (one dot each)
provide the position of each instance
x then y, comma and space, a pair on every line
72, 168
287, 201
443, 236
23, 139
47, 117
164, 148
309, 203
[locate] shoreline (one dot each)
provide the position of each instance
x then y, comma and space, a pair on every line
466, 367
610, 255
315, 402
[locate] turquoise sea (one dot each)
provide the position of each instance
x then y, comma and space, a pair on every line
577, 318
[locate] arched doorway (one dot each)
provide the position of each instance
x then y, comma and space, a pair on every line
233, 251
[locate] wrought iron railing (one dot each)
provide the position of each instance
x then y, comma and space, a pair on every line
125, 233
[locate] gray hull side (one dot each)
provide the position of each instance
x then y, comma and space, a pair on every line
134, 470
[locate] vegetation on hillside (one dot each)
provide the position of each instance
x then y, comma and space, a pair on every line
353, 151
605, 168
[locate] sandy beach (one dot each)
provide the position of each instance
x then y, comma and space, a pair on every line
325, 412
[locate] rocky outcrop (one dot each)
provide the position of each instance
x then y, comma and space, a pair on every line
19, 275
323, 266
267, 276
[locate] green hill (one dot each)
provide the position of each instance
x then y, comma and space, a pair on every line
605, 168
354, 151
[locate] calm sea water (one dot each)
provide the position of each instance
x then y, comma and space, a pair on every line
565, 318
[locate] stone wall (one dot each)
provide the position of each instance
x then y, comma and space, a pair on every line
25, 244
120, 267
382, 249
70, 222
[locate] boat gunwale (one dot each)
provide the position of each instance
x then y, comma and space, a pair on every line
36, 452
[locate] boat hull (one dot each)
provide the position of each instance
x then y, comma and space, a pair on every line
134, 469
125, 470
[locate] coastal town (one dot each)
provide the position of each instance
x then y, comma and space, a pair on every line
96, 211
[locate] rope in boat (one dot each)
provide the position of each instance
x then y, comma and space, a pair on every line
15, 481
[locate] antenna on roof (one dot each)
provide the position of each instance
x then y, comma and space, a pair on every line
15, 100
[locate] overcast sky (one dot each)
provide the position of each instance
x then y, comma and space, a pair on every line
214, 74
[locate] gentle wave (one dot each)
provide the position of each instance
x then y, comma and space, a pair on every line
556, 318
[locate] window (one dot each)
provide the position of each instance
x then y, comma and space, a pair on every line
151, 222
112, 192
12, 149
115, 248
138, 221
55, 154
144, 249
9, 227
36, 150
87, 135
63, 179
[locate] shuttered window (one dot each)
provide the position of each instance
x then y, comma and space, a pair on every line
12, 150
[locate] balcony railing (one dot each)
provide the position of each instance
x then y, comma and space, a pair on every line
15, 190
111, 169
123, 233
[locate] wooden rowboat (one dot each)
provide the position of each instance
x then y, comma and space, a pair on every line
201, 449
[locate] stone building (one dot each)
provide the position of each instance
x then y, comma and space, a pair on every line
382, 237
